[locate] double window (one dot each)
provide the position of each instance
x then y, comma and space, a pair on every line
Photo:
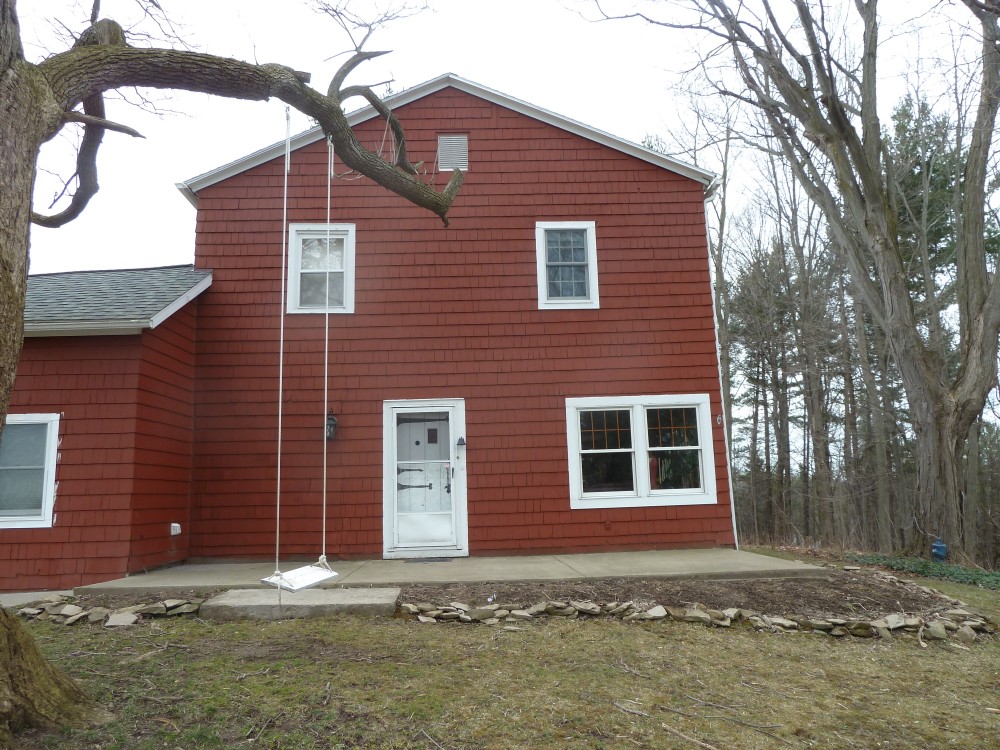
28, 451
321, 268
567, 264
640, 451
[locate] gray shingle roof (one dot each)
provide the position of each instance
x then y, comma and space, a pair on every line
122, 301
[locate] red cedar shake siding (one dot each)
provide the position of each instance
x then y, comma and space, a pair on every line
164, 443
124, 454
448, 313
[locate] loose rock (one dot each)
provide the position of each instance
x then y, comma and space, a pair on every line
656, 613
966, 635
697, 615
936, 631
121, 620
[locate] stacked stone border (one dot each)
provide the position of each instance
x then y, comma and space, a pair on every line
954, 621
60, 610
964, 625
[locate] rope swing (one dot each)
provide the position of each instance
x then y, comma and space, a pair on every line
309, 575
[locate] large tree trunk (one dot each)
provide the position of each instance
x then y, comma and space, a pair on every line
939, 451
973, 493
22, 130
32, 693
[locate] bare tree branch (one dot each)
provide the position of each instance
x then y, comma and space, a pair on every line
102, 33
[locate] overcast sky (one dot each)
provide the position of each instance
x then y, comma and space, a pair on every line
619, 77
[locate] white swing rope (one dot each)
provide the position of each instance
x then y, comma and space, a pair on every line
281, 341
310, 575
326, 339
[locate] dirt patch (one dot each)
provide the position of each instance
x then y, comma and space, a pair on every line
848, 594
864, 594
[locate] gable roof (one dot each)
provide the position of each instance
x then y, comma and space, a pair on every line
191, 187
126, 301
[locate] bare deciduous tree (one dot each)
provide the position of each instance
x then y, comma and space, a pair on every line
818, 95
37, 100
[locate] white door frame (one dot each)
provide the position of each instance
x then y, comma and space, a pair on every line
455, 407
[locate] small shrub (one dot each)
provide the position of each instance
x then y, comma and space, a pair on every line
932, 569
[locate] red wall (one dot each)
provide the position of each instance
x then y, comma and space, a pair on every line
124, 454
448, 313
163, 443
92, 383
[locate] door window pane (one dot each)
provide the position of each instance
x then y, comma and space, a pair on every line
423, 487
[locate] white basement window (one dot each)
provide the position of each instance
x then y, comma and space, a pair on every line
453, 153
321, 268
29, 446
566, 253
640, 451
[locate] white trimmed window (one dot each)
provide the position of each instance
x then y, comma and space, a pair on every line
321, 268
640, 451
29, 446
453, 152
567, 265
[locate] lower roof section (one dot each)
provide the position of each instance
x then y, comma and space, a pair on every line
107, 303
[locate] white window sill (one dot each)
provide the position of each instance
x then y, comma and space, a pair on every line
657, 501
575, 304
25, 523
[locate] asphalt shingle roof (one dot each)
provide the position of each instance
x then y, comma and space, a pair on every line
131, 297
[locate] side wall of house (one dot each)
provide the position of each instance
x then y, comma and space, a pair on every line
449, 313
164, 441
91, 382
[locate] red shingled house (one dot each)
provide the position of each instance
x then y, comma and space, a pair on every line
540, 376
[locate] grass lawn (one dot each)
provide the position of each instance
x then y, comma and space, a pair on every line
353, 682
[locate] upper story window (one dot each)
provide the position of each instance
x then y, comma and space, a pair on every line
453, 153
28, 451
635, 451
567, 264
321, 268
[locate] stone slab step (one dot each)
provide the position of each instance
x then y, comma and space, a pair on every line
262, 604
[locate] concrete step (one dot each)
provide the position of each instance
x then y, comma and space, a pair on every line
263, 604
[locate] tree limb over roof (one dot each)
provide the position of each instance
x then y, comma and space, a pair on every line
102, 61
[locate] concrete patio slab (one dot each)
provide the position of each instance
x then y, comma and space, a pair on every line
202, 577
20, 599
270, 604
460, 570
698, 563
702, 564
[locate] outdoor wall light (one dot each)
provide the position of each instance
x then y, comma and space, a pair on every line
461, 442
331, 426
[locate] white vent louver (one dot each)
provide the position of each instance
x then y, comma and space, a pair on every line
453, 152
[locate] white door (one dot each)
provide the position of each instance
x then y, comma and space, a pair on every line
424, 485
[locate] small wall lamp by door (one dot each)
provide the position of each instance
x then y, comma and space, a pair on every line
331, 426
461, 442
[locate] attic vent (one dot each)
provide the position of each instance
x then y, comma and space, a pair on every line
453, 152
